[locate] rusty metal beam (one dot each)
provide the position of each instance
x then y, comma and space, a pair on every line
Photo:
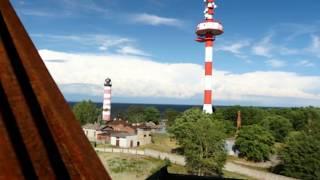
39, 135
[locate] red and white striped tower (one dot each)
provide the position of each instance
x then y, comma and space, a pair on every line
106, 113
207, 31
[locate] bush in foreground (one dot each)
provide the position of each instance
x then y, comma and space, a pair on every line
254, 143
300, 156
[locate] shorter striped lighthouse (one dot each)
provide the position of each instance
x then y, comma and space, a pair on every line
106, 113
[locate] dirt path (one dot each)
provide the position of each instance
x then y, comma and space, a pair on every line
253, 173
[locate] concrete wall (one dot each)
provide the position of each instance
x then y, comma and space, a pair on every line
124, 142
144, 136
91, 134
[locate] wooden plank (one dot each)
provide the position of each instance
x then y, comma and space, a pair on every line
50, 139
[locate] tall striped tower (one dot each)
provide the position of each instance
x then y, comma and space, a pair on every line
207, 31
106, 113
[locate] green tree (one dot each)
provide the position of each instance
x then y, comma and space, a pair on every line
86, 112
254, 143
135, 114
297, 116
171, 115
249, 115
278, 126
230, 113
152, 114
252, 115
229, 126
202, 137
300, 156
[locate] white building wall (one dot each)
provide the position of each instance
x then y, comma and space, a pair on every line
113, 141
91, 134
144, 136
133, 139
124, 142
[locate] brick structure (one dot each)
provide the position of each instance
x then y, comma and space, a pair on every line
239, 120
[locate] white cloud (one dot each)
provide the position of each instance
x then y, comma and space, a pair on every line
305, 63
40, 13
129, 50
275, 63
155, 20
102, 42
288, 51
234, 47
142, 77
315, 46
264, 47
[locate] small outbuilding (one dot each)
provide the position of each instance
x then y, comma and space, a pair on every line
124, 140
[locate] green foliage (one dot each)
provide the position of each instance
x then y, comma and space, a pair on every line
171, 115
230, 113
298, 116
313, 125
86, 112
120, 165
151, 114
278, 126
229, 127
202, 137
249, 115
252, 115
254, 143
135, 114
300, 156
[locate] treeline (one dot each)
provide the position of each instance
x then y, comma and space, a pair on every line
89, 112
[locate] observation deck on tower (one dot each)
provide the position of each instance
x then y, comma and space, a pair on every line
209, 26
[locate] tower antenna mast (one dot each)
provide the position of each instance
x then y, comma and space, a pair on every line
207, 32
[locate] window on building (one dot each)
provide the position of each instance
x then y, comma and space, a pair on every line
145, 136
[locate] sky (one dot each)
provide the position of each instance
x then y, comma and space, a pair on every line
269, 54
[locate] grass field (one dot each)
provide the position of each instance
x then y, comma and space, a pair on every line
135, 167
125, 166
161, 142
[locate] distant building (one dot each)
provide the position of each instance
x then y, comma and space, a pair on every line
90, 130
122, 126
124, 140
97, 133
120, 133
129, 140
144, 136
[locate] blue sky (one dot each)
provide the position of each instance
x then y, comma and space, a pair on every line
269, 54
